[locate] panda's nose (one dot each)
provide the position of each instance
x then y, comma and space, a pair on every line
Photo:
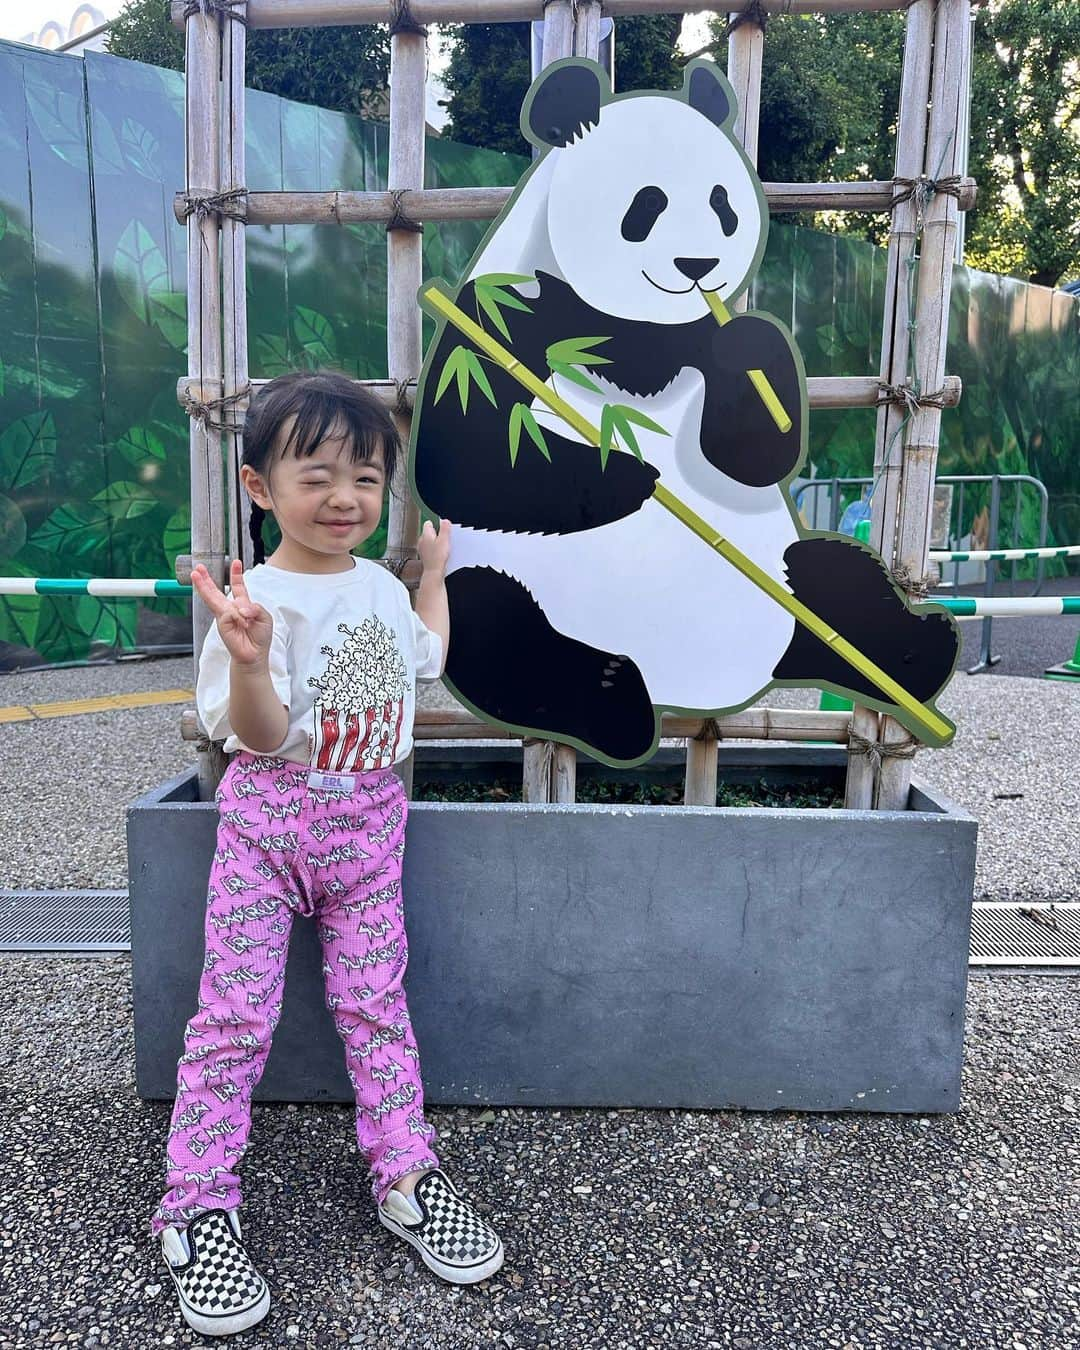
695, 268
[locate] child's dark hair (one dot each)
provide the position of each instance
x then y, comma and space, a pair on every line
324, 403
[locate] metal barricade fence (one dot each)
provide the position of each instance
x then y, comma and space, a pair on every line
843, 492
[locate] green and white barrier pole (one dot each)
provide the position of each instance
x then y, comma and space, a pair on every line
106, 588
1003, 554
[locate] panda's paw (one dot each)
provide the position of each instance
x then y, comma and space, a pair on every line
850, 588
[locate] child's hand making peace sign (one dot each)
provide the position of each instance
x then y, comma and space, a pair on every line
245, 627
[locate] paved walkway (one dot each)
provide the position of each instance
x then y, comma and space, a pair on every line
630, 1228
622, 1229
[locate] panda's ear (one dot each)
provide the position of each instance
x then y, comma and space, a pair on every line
563, 103
706, 92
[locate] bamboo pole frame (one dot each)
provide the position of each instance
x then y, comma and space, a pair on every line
753, 724
432, 204
825, 391
404, 275
216, 258
234, 275
895, 344
202, 178
914, 500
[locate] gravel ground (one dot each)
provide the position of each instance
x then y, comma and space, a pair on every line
622, 1228
69, 780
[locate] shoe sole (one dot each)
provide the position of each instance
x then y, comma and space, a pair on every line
226, 1324
450, 1273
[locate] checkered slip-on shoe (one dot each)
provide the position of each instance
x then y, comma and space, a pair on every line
220, 1290
452, 1239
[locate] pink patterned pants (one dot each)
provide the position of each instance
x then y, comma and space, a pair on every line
284, 847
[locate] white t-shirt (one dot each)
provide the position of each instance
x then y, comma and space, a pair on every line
346, 653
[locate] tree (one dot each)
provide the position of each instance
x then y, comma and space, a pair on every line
830, 91
490, 65
487, 77
1025, 146
346, 69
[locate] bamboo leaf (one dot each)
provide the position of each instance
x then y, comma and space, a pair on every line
491, 309
575, 351
533, 428
626, 432
477, 372
449, 370
502, 279
607, 430
574, 375
515, 431
463, 381
639, 418
505, 298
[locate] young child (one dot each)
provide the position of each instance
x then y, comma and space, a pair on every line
309, 676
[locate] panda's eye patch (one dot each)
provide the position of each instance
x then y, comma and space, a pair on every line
718, 200
644, 211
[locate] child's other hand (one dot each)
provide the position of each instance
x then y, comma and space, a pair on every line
245, 627
435, 548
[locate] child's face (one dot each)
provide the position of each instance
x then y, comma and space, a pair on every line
325, 503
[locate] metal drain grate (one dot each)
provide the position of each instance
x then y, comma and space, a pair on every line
64, 921
1007, 933
1003, 933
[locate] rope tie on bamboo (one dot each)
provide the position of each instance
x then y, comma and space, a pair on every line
909, 396
224, 9
914, 586
401, 396
710, 730
876, 751
926, 186
398, 218
204, 411
397, 562
232, 204
753, 12
402, 21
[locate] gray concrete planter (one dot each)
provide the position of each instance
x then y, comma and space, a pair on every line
619, 956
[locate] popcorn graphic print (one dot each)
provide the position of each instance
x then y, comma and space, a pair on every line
360, 706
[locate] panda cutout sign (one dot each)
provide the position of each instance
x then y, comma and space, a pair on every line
614, 447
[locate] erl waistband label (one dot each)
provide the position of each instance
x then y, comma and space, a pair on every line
335, 782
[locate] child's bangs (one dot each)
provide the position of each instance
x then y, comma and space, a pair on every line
321, 417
